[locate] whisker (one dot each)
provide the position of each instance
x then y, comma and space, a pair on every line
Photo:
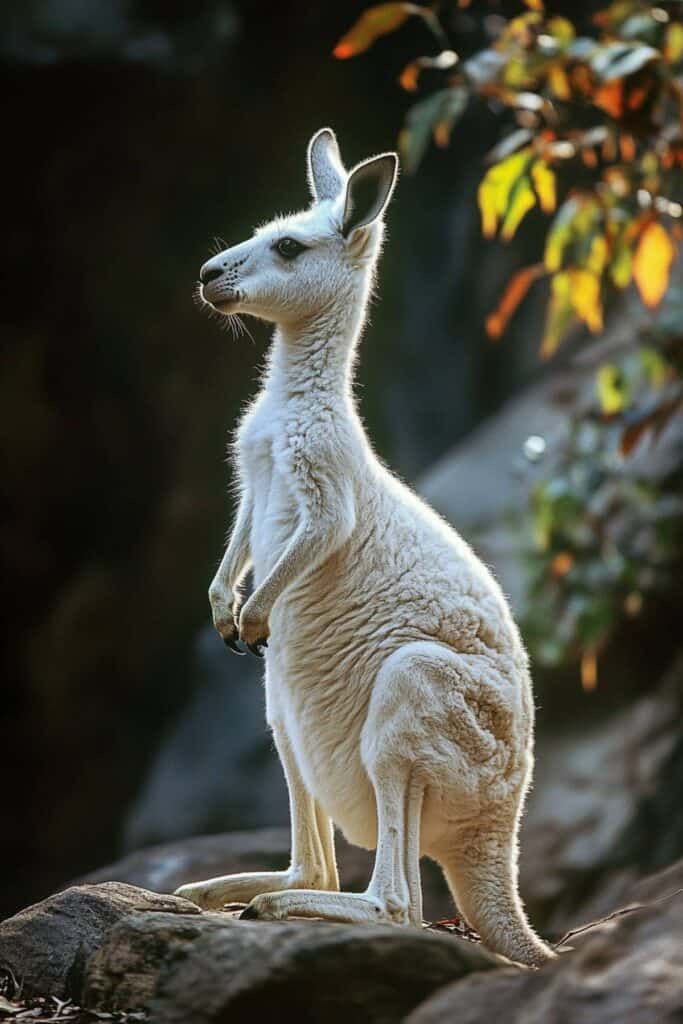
231, 322
218, 245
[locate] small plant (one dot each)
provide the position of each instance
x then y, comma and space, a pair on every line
606, 518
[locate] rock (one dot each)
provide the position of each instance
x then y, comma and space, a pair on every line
46, 946
485, 476
590, 781
164, 867
216, 769
214, 968
627, 969
622, 887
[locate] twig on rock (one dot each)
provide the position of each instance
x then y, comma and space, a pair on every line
622, 912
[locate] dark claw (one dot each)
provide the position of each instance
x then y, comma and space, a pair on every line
232, 644
258, 647
249, 913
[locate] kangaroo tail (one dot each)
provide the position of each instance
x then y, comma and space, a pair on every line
481, 870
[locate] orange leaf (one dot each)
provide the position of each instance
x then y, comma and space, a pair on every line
632, 435
627, 147
562, 563
409, 76
442, 133
610, 98
373, 23
512, 296
652, 263
589, 671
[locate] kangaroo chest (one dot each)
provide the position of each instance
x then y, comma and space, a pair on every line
275, 514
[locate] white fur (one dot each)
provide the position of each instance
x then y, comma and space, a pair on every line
397, 684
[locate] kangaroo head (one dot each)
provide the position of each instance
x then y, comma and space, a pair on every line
297, 266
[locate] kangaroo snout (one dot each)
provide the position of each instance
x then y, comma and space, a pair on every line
206, 274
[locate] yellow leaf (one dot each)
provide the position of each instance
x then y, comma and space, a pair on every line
373, 23
562, 29
534, 5
673, 47
611, 390
558, 82
560, 313
544, 183
652, 263
597, 257
585, 292
515, 73
496, 187
523, 200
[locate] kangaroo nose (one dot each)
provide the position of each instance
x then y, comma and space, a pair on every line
210, 275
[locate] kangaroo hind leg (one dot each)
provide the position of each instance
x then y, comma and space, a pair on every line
393, 895
313, 864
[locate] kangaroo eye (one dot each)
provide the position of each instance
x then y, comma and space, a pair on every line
289, 248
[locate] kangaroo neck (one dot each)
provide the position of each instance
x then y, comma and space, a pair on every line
316, 355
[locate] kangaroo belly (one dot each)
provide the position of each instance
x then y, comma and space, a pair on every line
323, 715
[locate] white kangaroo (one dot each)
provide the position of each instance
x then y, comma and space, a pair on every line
397, 686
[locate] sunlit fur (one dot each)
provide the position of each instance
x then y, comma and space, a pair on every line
397, 686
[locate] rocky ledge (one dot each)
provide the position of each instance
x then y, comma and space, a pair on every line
121, 952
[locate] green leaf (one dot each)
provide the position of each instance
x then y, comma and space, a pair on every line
612, 388
560, 312
445, 106
654, 365
496, 191
621, 264
560, 234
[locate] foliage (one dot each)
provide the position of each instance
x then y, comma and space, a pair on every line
611, 103
594, 139
607, 528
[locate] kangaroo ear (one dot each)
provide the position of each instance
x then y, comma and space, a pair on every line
368, 191
326, 173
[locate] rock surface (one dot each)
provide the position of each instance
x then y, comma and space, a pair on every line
589, 784
46, 946
214, 968
628, 969
114, 947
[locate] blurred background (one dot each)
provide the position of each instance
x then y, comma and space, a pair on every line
136, 131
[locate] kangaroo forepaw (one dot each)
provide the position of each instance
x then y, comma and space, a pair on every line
233, 644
